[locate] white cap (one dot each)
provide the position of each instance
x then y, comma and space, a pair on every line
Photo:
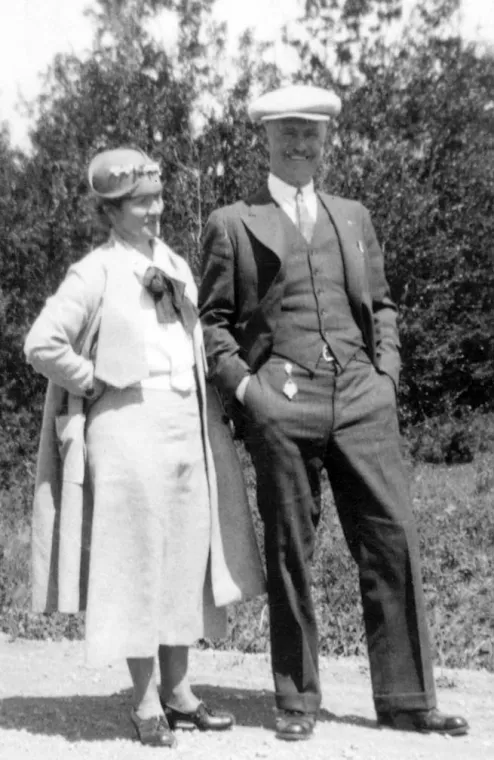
297, 101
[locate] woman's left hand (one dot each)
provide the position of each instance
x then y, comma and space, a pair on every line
97, 390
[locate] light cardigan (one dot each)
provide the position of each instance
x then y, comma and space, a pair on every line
100, 295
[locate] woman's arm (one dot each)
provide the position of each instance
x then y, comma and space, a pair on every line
50, 345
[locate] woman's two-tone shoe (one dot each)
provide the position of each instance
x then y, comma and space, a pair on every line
203, 718
153, 732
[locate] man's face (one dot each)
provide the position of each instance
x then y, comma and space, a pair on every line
295, 148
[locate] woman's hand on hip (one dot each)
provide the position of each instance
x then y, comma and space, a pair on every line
97, 389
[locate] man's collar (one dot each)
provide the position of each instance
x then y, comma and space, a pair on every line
280, 189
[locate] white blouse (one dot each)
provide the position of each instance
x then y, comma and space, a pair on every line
169, 349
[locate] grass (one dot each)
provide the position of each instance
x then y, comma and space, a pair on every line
455, 514
453, 506
454, 509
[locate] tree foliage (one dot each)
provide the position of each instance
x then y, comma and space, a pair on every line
126, 92
418, 149
414, 143
339, 35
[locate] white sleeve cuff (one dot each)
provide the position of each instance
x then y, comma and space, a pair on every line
241, 388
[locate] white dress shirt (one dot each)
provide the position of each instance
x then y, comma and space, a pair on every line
284, 195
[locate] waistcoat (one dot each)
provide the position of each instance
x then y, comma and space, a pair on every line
315, 309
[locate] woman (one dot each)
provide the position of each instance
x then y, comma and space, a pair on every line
127, 525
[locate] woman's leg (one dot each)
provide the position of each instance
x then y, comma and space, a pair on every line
185, 710
148, 716
176, 691
145, 698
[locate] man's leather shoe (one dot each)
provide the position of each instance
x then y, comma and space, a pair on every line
424, 721
292, 725
153, 732
202, 718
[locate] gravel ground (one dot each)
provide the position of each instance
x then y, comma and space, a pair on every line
53, 708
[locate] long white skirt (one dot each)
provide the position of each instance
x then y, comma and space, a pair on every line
151, 525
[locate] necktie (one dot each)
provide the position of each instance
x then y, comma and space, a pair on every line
304, 221
169, 298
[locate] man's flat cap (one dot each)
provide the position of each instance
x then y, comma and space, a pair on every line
297, 101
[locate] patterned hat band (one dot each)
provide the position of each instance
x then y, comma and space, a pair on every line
135, 171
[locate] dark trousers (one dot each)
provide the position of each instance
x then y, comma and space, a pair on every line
346, 422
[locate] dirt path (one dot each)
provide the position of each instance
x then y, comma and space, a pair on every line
53, 708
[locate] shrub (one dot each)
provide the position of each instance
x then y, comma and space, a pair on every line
450, 438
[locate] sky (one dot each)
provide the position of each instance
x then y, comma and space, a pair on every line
33, 31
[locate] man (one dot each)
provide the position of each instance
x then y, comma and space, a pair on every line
301, 334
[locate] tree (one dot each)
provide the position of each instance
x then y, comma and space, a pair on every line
417, 148
126, 93
337, 35
414, 143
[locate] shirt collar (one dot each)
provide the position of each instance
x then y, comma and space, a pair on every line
163, 258
282, 192
140, 262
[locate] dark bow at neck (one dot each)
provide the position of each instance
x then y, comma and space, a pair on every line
170, 300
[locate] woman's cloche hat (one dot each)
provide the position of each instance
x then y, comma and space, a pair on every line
123, 172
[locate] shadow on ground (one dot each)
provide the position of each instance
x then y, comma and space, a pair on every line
100, 718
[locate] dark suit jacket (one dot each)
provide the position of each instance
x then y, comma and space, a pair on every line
243, 281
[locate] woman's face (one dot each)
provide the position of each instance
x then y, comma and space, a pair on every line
138, 219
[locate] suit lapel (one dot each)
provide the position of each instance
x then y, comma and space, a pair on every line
263, 217
351, 244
